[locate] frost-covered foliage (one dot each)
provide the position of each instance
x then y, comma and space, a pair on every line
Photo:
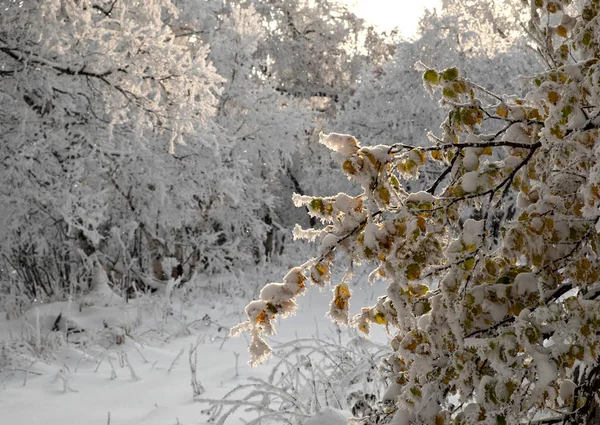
486, 332
390, 103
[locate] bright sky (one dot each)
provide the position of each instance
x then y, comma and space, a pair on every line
386, 14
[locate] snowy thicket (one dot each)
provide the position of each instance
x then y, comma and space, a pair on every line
100, 106
483, 331
159, 138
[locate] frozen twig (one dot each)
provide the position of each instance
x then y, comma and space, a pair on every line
27, 372
237, 363
62, 376
197, 387
126, 361
175, 361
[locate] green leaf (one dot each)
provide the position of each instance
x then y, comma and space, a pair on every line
317, 205
450, 74
431, 76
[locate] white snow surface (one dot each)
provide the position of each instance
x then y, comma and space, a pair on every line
329, 416
162, 395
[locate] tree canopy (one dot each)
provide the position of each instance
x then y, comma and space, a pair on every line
493, 319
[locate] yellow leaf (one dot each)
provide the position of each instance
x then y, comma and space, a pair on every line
553, 97
401, 230
413, 271
421, 224
321, 268
340, 303
448, 93
373, 160
516, 308
502, 110
261, 317
380, 318
343, 290
490, 266
551, 7
435, 154
342, 295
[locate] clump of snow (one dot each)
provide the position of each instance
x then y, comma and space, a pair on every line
516, 132
329, 242
342, 143
392, 392
472, 231
517, 113
526, 283
471, 160
371, 233
294, 281
455, 246
346, 203
497, 310
301, 200
473, 138
469, 181
523, 200
567, 390
546, 369
401, 417
254, 308
578, 119
424, 321
380, 152
273, 292
421, 196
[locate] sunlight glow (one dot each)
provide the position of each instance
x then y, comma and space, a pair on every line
387, 14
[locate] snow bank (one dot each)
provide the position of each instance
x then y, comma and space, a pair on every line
328, 416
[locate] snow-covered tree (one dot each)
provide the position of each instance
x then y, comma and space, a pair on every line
493, 322
323, 40
108, 145
282, 62
390, 103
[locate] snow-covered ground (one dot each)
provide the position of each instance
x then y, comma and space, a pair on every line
131, 365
